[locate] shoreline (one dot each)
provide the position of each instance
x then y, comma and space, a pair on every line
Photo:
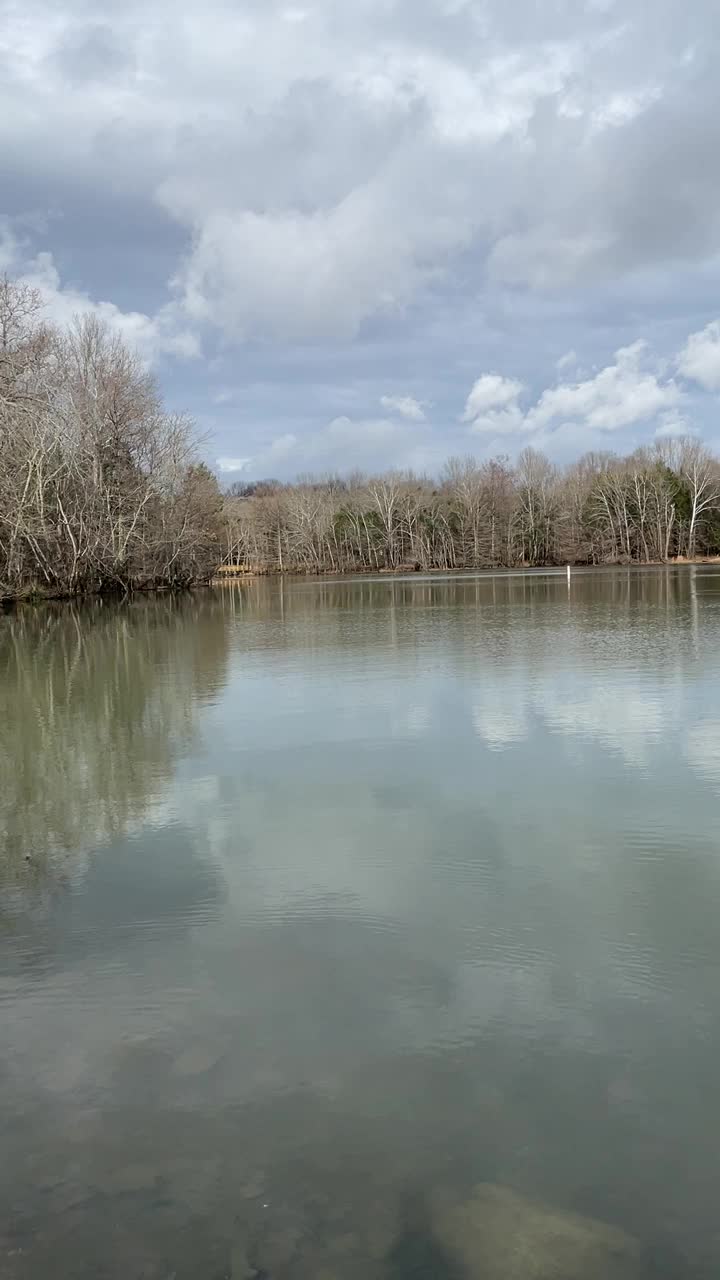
34, 597
410, 570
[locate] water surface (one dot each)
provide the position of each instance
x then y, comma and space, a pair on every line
319, 899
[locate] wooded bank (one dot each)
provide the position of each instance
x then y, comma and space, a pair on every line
658, 504
102, 489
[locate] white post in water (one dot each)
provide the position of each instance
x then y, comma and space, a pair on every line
568, 569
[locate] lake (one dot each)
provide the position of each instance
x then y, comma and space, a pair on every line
324, 903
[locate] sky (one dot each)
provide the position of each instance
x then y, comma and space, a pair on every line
377, 233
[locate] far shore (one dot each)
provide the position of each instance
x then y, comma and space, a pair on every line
230, 573
237, 573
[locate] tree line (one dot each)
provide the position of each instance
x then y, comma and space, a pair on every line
659, 503
101, 488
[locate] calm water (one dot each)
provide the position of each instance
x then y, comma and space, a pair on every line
319, 900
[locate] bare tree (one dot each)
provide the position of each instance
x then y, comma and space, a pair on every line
385, 495
602, 509
94, 474
536, 511
702, 474
101, 489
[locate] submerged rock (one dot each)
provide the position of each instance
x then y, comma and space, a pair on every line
499, 1234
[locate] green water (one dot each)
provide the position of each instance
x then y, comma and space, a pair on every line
322, 900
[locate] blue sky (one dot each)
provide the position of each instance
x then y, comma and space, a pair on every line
377, 233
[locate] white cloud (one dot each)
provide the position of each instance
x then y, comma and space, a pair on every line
699, 359
284, 445
620, 395
491, 392
546, 257
407, 406
228, 465
327, 164
621, 108
566, 362
449, 179
674, 424
500, 422
150, 336
492, 407
625, 393
295, 275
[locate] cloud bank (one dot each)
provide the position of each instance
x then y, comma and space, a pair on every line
636, 390
320, 209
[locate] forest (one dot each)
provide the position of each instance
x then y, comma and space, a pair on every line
103, 490
658, 504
